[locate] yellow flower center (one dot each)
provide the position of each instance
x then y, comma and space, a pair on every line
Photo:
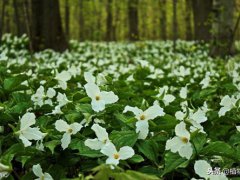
70, 130
42, 178
184, 140
104, 141
97, 98
142, 117
116, 156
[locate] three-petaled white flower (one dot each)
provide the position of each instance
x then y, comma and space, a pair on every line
26, 132
40, 97
204, 170
166, 98
101, 140
180, 143
4, 171
37, 170
99, 98
143, 117
62, 79
115, 156
227, 104
63, 126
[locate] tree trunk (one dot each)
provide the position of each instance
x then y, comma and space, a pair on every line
109, 32
133, 20
201, 13
7, 19
67, 18
222, 44
2, 18
163, 19
188, 20
175, 25
46, 27
81, 21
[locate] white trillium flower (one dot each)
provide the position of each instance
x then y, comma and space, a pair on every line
37, 170
99, 98
183, 92
142, 126
203, 169
227, 104
199, 116
69, 130
62, 79
166, 98
115, 156
89, 77
62, 99
4, 171
180, 143
40, 97
101, 140
28, 133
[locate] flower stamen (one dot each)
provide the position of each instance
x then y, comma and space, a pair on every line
116, 156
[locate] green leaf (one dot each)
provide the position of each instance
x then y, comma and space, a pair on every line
84, 108
14, 83
220, 148
149, 148
136, 159
77, 144
123, 138
172, 162
51, 145
133, 175
198, 140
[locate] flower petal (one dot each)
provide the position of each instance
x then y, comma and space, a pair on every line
66, 139
92, 90
27, 120
136, 111
89, 77
61, 125
199, 116
174, 144
75, 127
109, 97
109, 149
142, 128
111, 160
37, 170
100, 132
126, 152
201, 168
186, 151
33, 134
94, 144
181, 130
153, 111
25, 141
98, 105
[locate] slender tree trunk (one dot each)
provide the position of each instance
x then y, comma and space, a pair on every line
81, 21
7, 19
109, 24
163, 19
175, 25
16, 17
188, 20
47, 31
2, 18
67, 18
201, 14
133, 20
223, 28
